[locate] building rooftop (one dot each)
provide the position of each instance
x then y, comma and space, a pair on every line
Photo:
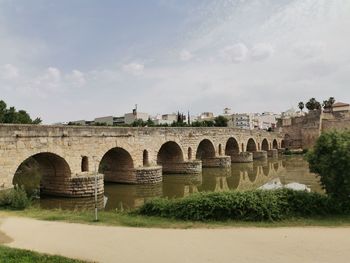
340, 104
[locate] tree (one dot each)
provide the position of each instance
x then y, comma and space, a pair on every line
301, 105
313, 104
10, 115
220, 121
330, 159
328, 104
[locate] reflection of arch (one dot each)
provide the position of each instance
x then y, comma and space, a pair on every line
205, 150
274, 144
232, 147
251, 145
265, 145
170, 152
189, 153
41, 169
145, 158
117, 165
84, 164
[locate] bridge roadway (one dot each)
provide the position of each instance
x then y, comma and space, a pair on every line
66, 157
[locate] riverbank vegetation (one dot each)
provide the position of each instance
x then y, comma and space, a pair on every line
255, 205
13, 255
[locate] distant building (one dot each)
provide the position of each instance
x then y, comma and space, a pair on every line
165, 119
206, 116
242, 121
129, 118
340, 107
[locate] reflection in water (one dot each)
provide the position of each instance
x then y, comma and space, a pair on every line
241, 176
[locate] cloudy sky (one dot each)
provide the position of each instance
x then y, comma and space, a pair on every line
79, 59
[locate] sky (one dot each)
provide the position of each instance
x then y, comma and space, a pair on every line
80, 59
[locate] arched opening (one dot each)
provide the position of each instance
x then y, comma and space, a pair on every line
205, 150
265, 145
220, 149
232, 147
84, 164
189, 153
251, 145
169, 155
274, 144
145, 158
283, 145
42, 172
117, 166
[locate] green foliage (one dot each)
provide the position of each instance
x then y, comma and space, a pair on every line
328, 104
330, 158
10, 115
15, 198
313, 104
257, 205
301, 105
220, 121
12, 255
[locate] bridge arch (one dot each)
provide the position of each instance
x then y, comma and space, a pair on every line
283, 144
84, 164
45, 169
232, 147
145, 158
117, 165
205, 150
169, 154
264, 145
251, 145
274, 144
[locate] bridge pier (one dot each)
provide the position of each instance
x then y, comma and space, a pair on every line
242, 157
75, 186
272, 153
217, 162
140, 175
260, 155
190, 167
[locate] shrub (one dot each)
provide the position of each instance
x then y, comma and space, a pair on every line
330, 158
15, 198
256, 205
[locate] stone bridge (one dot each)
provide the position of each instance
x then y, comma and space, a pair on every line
66, 157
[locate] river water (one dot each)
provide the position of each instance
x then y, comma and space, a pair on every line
288, 170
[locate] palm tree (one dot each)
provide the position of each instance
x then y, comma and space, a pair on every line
301, 105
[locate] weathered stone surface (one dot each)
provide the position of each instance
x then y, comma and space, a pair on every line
68, 152
260, 155
220, 161
243, 157
272, 153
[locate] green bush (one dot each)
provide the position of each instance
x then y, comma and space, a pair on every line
15, 198
330, 158
256, 205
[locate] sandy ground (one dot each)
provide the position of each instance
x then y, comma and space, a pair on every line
124, 244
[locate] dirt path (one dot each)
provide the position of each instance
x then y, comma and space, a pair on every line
123, 244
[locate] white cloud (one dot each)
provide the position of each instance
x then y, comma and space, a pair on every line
236, 53
77, 78
262, 51
309, 50
134, 68
9, 72
185, 55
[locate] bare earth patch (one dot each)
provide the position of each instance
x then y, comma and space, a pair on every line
125, 244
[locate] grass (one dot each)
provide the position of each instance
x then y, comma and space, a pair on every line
130, 220
13, 255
